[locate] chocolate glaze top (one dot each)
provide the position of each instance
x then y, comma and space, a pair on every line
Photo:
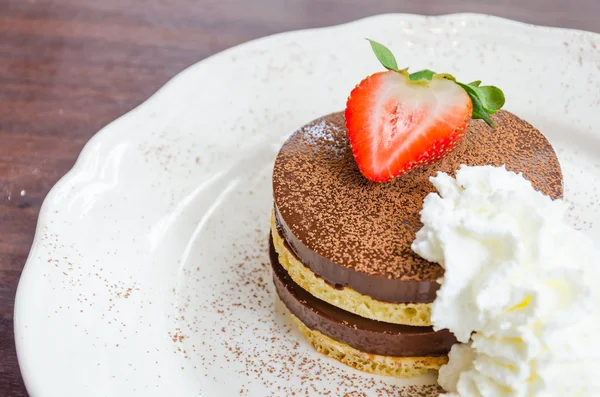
368, 227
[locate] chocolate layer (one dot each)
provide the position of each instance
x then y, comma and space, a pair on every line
412, 291
357, 233
366, 335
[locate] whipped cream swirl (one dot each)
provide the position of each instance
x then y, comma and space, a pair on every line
519, 290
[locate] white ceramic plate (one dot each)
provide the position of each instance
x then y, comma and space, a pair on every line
148, 275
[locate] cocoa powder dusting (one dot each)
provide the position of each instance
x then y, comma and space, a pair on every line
260, 347
369, 227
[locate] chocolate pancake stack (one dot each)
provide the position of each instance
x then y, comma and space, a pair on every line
340, 244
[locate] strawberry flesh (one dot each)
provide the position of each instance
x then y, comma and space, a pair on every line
395, 125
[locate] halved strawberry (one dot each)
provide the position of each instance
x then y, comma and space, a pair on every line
395, 124
398, 121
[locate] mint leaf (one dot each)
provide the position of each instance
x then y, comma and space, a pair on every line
479, 111
422, 74
492, 98
384, 55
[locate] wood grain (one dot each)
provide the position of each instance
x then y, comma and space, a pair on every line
68, 67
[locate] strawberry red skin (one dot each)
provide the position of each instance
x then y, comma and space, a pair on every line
439, 139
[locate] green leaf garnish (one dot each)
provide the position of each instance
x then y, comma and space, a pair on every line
491, 97
384, 55
422, 74
486, 99
479, 111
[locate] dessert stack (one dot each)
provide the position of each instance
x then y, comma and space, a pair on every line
348, 189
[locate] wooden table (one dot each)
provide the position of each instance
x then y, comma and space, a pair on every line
68, 67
